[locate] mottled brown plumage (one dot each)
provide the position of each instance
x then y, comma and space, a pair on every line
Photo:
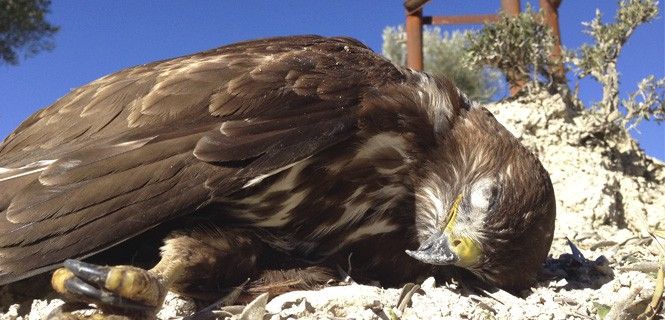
274, 155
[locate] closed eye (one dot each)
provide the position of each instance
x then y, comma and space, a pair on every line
494, 198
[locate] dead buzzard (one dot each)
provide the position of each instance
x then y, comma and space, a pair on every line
279, 158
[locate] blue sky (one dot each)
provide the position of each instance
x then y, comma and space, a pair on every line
99, 37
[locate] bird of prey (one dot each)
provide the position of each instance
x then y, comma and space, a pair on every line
273, 160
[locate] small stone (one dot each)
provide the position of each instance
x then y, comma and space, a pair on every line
11, 314
561, 283
176, 306
625, 281
40, 309
428, 284
255, 309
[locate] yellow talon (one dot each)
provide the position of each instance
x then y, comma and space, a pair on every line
58, 279
114, 279
135, 284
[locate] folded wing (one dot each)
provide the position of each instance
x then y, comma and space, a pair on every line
139, 147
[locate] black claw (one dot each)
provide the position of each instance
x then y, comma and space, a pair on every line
88, 272
82, 288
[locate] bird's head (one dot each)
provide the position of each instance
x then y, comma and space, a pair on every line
484, 203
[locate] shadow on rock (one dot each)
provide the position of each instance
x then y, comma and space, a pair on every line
574, 271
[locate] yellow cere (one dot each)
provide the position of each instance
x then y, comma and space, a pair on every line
467, 249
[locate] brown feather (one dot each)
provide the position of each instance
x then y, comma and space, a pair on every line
121, 165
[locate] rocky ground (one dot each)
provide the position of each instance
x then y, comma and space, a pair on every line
603, 263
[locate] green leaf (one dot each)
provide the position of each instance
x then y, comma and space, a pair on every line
601, 310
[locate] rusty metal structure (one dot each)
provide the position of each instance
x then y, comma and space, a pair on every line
415, 21
551, 12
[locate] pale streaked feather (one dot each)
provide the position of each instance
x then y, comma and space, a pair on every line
13, 173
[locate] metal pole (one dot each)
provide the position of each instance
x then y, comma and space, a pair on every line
414, 40
551, 10
512, 8
468, 19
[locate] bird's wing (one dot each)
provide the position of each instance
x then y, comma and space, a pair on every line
141, 146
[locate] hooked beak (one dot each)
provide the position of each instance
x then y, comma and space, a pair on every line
435, 250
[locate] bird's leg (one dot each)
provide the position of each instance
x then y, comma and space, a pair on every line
195, 263
276, 282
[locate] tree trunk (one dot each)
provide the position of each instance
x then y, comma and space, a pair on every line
610, 81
